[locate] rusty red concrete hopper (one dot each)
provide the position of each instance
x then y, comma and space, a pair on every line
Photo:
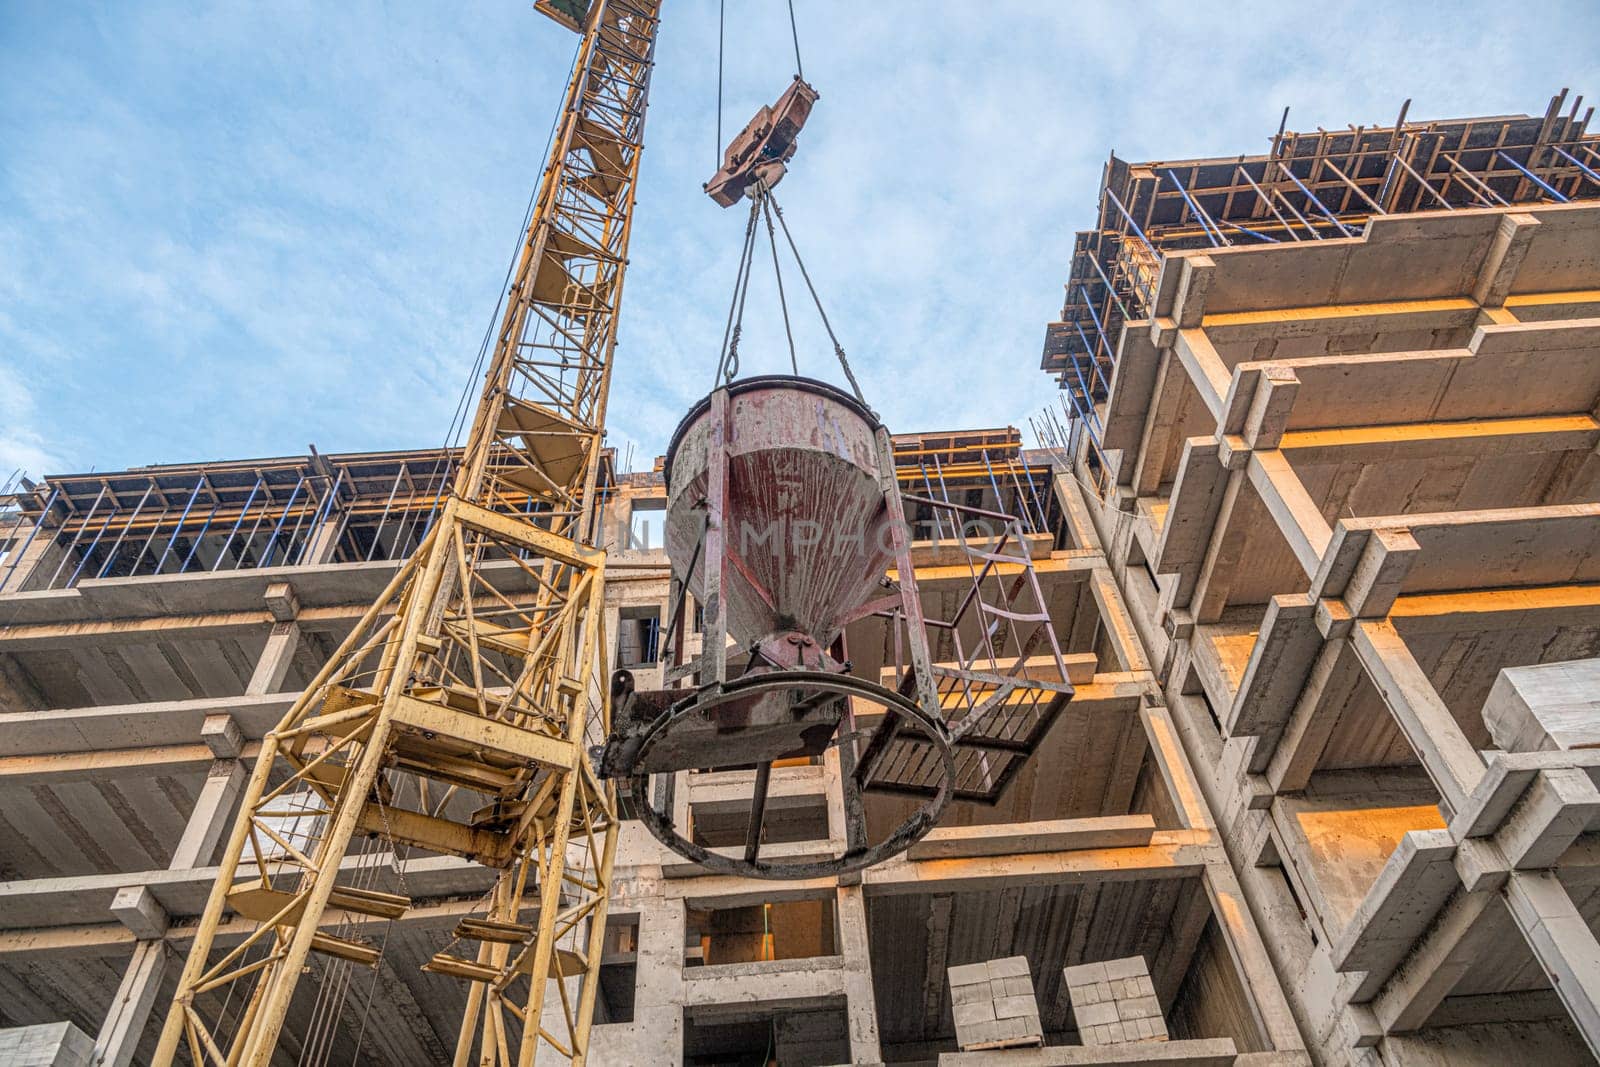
806, 527
804, 543
783, 519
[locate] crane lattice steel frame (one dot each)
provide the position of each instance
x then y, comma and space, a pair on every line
449, 687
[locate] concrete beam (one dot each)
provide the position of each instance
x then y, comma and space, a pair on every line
1450, 759
1280, 662
1290, 762
1060, 835
1404, 901
137, 908
1477, 438
116, 726
1563, 942
1296, 515
1451, 949
1191, 515
1170, 854
1198, 1052
1512, 239
282, 601
732, 988
223, 736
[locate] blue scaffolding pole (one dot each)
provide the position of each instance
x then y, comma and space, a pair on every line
48, 504
1534, 178
1213, 232
251, 499
1312, 198
187, 507
266, 555
116, 547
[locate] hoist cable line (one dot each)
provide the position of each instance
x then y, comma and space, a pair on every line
777, 272
765, 205
722, 19
838, 349
728, 360
799, 72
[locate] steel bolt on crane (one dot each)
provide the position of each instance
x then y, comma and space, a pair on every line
448, 688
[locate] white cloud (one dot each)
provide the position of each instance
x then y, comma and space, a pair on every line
233, 230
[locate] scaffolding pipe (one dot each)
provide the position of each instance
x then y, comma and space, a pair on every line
1094, 261
322, 515
1094, 359
1587, 173
44, 514
1316, 233
1033, 494
927, 487
1424, 183
1312, 198
378, 533
67, 552
84, 558
251, 499
272, 542
193, 494
1245, 174
1088, 399
993, 482
194, 546
1353, 186
1099, 327
1534, 178
1475, 183
1136, 231
1205, 220
1248, 230
111, 556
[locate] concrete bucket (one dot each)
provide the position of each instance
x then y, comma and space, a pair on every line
805, 529
783, 520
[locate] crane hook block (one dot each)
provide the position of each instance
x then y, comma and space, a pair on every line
764, 146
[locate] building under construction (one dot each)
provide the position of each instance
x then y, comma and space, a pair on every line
1305, 573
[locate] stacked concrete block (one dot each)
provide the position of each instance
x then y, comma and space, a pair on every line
1114, 1002
46, 1045
994, 1006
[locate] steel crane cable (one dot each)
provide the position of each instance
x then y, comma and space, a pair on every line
764, 198
838, 349
764, 204
722, 19
728, 362
799, 72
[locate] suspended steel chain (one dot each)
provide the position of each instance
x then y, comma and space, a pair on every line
494, 689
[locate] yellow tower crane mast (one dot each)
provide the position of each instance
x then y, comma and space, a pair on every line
457, 715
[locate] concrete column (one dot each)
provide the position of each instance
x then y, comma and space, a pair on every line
42, 550
137, 909
324, 539
130, 1008
273, 666
861, 1007
655, 1036
212, 815
1565, 946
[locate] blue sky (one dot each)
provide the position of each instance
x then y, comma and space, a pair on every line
232, 230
